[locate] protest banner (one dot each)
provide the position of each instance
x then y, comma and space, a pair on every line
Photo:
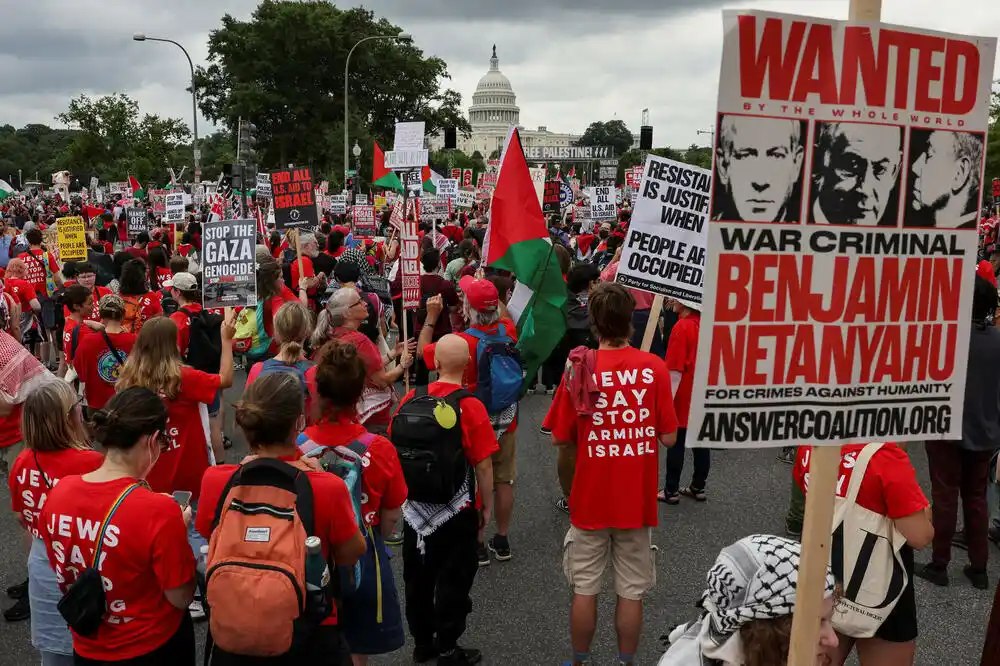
99, 195
228, 264
364, 221
409, 264
264, 185
396, 216
72, 238
198, 194
323, 187
174, 204
465, 199
556, 153
137, 221
380, 202
433, 206
566, 195
467, 178
294, 201
602, 203
664, 251
338, 204
447, 188
456, 174
550, 197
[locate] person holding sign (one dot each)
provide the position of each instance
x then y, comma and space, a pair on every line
616, 408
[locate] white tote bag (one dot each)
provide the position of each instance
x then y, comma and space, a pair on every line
865, 559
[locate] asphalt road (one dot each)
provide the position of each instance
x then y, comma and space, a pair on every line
521, 607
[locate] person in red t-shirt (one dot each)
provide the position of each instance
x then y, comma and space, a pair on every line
138, 248
84, 274
889, 488
616, 408
371, 618
100, 358
145, 561
156, 364
24, 293
141, 304
314, 283
682, 353
80, 302
270, 414
55, 441
45, 276
481, 307
440, 560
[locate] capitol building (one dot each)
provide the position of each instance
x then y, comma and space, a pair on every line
494, 110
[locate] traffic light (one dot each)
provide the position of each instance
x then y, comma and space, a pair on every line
247, 142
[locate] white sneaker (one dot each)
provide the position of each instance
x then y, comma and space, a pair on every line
196, 610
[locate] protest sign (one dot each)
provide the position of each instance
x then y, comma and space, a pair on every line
409, 264
849, 323
566, 196
396, 216
264, 185
602, 203
338, 204
447, 188
198, 194
324, 186
228, 264
137, 221
294, 203
118, 188
93, 184
608, 172
409, 136
664, 251
360, 199
364, 221
465, 199
99, 194
556, 153
456, 174
550, 197
433, 206
159, 201
538, 180
467, 178
380, 202
174, 204
72, 234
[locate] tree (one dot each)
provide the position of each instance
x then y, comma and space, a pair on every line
293, 91
216, 149
112, 141
33, 150
614, 133
993, 145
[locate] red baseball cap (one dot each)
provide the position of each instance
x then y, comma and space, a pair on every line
985, 271
481, 294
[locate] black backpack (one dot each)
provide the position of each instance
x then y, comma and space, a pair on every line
167, 302
204, 350
431, 453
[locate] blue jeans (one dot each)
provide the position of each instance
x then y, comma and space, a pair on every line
196, 540
639, 320
49, 633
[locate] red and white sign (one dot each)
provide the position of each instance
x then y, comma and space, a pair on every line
996, 188
837, 299
364, 221
409, 264
467, 178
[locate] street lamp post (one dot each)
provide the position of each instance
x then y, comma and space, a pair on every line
139, 37
401, 37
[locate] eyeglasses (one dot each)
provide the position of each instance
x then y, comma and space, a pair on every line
77, 403
163, 440
358, 302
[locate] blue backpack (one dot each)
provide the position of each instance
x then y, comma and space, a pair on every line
299, 368
345, 462
501, 374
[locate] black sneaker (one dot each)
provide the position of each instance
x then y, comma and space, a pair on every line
19, 591
545, 431
484, 555
933, 573
563, 505
460, 657
993, 534
978, 577
424, 653
958, 541
20, 611
500, 547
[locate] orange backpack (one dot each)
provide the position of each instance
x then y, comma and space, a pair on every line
255, 584
132, 320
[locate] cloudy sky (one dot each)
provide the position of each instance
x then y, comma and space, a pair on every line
570, 61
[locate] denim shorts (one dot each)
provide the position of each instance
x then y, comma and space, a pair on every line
213, 409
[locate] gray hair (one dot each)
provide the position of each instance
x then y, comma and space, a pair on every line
333, 314
480, 317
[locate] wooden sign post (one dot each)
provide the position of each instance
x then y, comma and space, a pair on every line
651, 325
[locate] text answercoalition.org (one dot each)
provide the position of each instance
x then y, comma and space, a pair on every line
882, 423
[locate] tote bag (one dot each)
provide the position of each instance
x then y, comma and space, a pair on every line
865, 559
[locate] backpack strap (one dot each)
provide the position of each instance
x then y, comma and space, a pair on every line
356, 449
277, 473
309, 447
74, 342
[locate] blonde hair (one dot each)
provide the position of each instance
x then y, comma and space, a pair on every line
154, 362
49, 420
291, 326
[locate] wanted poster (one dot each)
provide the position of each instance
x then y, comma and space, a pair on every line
174, 203
664, 251
227, 261
838, 288
294, 202
137, 221
263, 185
602, 203
364, 221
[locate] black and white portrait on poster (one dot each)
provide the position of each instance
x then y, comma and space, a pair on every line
758, 169
228, 264
855, 174
944, 179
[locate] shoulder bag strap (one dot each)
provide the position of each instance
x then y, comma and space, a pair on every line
111, 347
99, 546
860, 467
39, 466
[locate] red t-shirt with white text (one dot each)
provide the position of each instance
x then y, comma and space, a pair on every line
68, 329
36, 269
22, 290
182, 464
682, 352
617, 447
33, 475
95, 314
145, 552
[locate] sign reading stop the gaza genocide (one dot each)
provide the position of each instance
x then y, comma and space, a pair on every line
838, 288
293, 199
228, 264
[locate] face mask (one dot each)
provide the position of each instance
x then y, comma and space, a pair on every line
603, 234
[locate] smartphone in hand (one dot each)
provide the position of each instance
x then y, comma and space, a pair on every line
182, 497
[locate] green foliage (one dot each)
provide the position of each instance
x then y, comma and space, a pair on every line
34, 150
700, 156
992, 146
292, 89
113, 141
612, 133
443, 161
216, 149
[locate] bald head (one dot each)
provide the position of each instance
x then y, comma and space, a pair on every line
451, 354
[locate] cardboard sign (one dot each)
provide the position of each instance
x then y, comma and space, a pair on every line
602, 203
294, 202
664, 250
364, 221
174, 205
448, 188
433, 206
93, 184
409, 136
360, 199
837, 303
264, 185
550, 197
159, 201
228, 265
465, 199
380, 202
72, 234
405, 159
137, 221
338, 204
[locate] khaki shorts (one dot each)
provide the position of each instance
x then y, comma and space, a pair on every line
505, 460
586, 554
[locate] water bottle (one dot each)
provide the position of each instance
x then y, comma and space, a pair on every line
317, 578
201, 565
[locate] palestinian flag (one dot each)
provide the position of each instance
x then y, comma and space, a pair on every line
427, 178
6, 190
382, 177
517, 240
